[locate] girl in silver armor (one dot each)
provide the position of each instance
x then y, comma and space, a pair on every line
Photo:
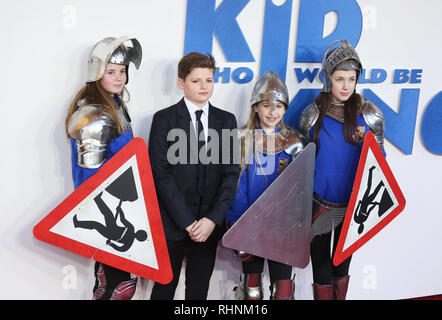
275, 146
336, 122
98, 126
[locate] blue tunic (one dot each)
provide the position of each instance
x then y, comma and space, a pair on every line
336, 160
255, 180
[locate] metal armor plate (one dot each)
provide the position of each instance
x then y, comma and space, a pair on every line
93, 130
375, 120
277, 225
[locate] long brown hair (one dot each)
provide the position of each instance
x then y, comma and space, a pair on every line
351, 110
94, 93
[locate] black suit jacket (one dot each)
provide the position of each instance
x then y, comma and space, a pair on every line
177, 184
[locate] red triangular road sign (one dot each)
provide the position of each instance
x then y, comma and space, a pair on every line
375, 201
114, 218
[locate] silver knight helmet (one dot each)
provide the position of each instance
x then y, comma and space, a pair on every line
114, 50
343, 57
270, 87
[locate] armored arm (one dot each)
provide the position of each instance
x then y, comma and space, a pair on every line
308, 119
93, 130
375, 120
295, 143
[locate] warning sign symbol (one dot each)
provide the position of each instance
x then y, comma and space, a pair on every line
375, 201
120, 236
370, 200
114, 218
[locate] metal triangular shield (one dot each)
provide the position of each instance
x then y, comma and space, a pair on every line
277, 225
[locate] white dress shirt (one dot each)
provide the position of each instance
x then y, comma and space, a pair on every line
204, 116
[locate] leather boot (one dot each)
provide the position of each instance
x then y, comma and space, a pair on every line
340, 286
282, 290
322, 292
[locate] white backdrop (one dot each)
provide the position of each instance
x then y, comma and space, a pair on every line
44, 53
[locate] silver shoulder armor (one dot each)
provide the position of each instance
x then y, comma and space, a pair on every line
295, 142
375, 120
93, 130
308, 119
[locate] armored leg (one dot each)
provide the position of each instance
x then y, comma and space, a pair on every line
282, 290
340, 286
113, 288
125, 290
322, 292
101, 287
250, 287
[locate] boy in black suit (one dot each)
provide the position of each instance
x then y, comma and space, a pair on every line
193, 195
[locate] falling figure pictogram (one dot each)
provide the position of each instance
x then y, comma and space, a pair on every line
124, 189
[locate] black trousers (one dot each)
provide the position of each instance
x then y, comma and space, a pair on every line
277, 270
322, 262
199, 268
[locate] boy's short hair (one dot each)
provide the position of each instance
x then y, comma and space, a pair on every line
194, 60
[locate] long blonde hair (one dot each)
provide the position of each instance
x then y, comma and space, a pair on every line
94, 93
247, 137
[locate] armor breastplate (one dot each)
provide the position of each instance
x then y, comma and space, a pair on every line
371, 114
288, 140
93, 130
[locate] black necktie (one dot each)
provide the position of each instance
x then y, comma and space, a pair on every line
201, 142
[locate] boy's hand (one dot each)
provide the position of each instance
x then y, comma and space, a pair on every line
202, 229
189, 229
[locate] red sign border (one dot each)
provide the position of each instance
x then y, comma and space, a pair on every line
138, 147
369, 143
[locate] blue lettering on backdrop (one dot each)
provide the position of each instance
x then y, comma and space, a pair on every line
310, 75
275, 38
378, 75
224, 75
400, 126
299, 102
362, 78
242, 75
310, 44
432, 125
416, 75
402, 76
204, 20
